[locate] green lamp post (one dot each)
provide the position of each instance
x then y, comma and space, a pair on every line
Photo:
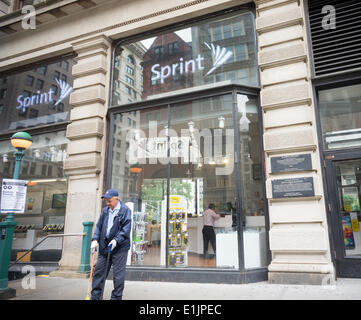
21, 141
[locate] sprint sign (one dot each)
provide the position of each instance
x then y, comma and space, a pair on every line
13, 195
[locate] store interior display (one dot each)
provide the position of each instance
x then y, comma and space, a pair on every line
177, 237
201, 172
23, 228
53, 228
349, 181
138, 238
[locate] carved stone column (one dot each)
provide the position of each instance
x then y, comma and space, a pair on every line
298, 234
85, 163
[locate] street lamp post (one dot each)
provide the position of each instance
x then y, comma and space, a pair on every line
21, 141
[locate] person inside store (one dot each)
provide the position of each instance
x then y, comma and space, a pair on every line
208, 229
112, 236
231, 210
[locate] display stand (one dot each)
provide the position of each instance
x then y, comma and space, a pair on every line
177, 235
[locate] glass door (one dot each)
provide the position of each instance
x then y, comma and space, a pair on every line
344, 195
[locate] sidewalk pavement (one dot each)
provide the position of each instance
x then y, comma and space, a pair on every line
57, 288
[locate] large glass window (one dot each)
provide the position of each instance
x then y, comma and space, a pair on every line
217, 51
202, 174
42, 167
174, 163
141, 179
37, 96
340, 110
252, 192
180, 164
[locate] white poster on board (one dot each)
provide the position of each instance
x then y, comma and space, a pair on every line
13, 195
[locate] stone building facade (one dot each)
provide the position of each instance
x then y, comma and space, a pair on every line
299, 234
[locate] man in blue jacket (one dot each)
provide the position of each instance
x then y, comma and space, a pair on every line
112, 233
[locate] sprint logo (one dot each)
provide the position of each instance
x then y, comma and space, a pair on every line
65, 90
45, 97
219, 54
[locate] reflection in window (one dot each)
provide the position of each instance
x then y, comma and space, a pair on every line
341, 116
216, 33
33, 113
56, 75
42, 70
129, 70
253, 202
130, 59
3, 93
54, 88
65, 65
227, 31
185, 58
129, 80
45, 203
173, 48
29, 80
39, 84
36, 90
158, 52
202, 172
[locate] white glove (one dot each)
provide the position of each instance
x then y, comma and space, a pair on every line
112, 244
94, 245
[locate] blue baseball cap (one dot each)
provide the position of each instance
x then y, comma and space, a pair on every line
110, 194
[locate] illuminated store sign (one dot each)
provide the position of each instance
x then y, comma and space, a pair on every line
44, 97
219, 55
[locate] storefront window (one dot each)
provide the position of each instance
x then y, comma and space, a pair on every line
341, 117
36, 97
196, 172
175, 162
142, 184
42, 167
202, 174
253, 202
218, 51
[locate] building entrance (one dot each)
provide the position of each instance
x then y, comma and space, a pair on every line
344, 181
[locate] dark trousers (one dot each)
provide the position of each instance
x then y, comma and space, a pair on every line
208, 235
118, 260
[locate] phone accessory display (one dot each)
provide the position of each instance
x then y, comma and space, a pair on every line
138, 238
53, 228
177, 237
24, 228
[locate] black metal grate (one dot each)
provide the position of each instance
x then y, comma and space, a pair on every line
336, 50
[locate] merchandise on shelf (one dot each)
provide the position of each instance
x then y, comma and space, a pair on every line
53, 227
138, 238
23, 228
177, 237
